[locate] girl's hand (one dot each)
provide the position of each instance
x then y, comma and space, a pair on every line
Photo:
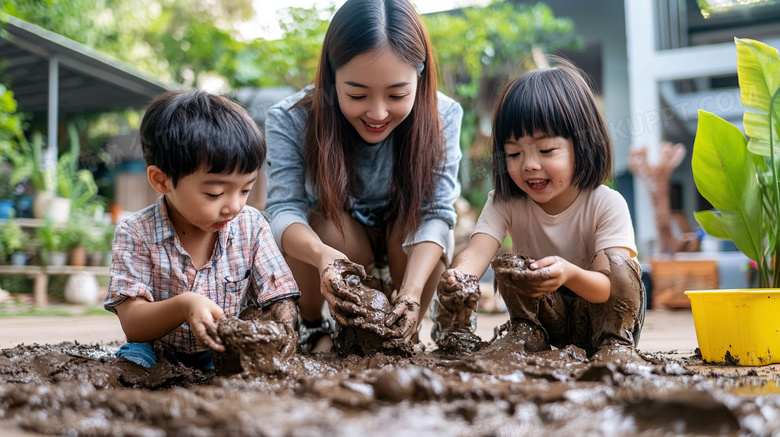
542, 277
459, 294
552, 274
201, 314
403, 316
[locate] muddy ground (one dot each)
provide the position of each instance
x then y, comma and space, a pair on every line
73, 389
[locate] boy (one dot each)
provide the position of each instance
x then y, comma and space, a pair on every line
197, 254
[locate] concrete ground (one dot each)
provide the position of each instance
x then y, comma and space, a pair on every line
664, 331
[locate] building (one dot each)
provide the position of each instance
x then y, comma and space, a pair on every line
657, 62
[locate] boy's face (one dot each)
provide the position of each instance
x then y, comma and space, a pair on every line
543, 167
208, 201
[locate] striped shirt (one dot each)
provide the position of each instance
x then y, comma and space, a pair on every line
149, 262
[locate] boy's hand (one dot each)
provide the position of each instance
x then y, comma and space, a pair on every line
201, 314
404, 316
286, 312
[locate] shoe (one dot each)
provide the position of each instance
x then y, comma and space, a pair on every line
309, 337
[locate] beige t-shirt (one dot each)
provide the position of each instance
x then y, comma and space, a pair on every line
598, 219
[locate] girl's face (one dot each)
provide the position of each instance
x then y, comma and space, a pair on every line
376, 92
543, 167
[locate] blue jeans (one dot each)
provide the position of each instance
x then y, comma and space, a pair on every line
143, 355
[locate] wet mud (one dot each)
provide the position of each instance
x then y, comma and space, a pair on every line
73, 389
459, 298
364, 331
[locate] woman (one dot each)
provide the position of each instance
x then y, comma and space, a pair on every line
363, 166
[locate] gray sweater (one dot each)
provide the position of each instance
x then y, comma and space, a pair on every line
291, 196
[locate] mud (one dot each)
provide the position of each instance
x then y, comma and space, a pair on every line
72, 389
459, 298
255, 347
364, 331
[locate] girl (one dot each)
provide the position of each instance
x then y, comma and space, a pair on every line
363, 166
551, 156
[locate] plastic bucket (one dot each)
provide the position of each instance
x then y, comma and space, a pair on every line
737, 327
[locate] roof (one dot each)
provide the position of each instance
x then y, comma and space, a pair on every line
89, 81
259, 100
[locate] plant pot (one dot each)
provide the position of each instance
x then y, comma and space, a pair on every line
737, 327
56, 259
95, 259
78, 256
7, 209
81, 289
19, 259
48, 205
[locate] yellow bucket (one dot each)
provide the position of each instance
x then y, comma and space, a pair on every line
738, 327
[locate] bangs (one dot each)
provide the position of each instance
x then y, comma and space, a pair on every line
534, 103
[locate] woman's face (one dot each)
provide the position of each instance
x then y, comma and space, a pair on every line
376, 92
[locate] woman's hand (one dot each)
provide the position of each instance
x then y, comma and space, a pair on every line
201, 314
403, 316
341, 298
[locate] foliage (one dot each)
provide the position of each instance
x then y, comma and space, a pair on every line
291, 60
77, 233
12, 238
49, 238
738, 176
10, 120
74, 184
176, 40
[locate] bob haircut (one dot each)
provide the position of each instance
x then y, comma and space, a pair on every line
358, 27
183, 131
556, 102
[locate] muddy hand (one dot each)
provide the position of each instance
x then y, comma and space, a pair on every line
527, 281
343, 301
334, 281
458, 291
201, 314
286, 312
403, 316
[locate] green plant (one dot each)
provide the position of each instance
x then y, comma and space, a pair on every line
49, 238
77, 233
12, 238
739, 177
77, 185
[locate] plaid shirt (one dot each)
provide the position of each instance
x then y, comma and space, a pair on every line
149, 262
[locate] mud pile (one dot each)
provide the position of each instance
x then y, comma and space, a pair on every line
72, 389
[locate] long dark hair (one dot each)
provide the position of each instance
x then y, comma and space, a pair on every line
360, 26
558, 102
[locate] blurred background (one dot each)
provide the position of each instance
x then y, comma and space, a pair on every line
76, 75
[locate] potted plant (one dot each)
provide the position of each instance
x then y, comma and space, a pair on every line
76, 236
51, 243
739, 177
99, 245
13, 241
